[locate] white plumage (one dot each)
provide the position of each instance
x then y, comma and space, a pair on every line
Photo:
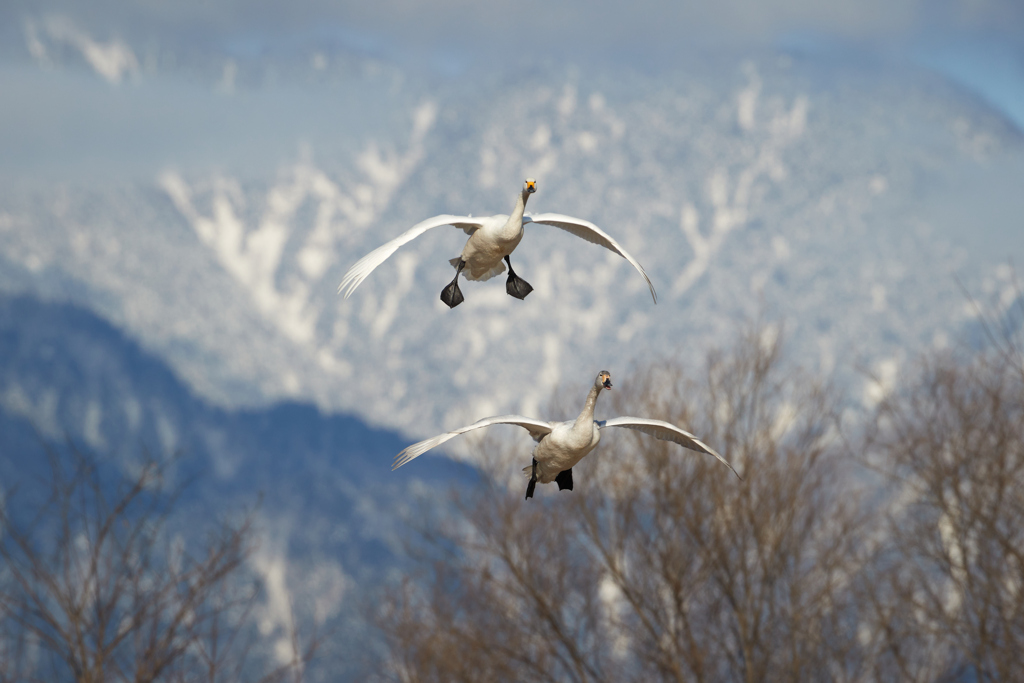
560, 445
491, 240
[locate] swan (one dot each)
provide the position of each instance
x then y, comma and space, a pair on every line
491, 240
560, 445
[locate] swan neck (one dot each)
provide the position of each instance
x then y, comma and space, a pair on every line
517, 212
587, 416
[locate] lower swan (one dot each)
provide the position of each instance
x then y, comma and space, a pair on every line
560, 445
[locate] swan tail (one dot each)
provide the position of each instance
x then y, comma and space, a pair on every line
478, 275
482, 276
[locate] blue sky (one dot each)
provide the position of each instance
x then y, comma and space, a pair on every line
993, 70
647, 32
977, 43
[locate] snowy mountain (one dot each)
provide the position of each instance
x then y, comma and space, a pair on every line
174, 226
809, 189
328, 508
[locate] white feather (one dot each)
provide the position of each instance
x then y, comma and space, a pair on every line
560, 445
491, 239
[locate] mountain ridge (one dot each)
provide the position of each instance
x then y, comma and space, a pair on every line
775, 182
329, 513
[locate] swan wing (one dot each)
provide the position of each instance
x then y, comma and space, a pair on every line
591, 233
666, 432
364, 266
538, 430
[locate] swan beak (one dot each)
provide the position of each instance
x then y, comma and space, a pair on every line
531, 186
608, 383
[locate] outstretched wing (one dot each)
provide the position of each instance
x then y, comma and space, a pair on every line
666, 432
538, 429
364, 266
591, 233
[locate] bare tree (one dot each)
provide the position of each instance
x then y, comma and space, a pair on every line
96, 588
517, 599
660, 565
949, 596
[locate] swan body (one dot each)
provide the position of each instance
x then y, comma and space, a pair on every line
492, 239
560, 445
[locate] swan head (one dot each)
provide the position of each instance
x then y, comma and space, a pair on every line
604, 380
530, 186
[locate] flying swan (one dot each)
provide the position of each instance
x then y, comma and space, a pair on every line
491, 239
560, 445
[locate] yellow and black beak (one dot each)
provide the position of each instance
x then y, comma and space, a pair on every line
607, 383
531, 186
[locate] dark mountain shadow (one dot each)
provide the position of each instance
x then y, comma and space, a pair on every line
325, 498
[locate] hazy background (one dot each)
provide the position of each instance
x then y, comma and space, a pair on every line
183, 185
171, 53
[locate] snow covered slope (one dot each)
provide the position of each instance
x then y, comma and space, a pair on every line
328, 508
807, 189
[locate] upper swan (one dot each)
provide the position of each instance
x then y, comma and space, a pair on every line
491, 240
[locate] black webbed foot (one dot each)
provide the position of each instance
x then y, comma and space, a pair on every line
564, 479
515, 285
452, 295
533, 481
